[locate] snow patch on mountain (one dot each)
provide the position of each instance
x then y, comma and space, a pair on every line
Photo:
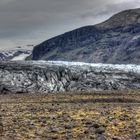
15, 54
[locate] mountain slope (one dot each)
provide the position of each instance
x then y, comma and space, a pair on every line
116, 40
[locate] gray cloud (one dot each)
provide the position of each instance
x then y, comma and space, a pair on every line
32, 21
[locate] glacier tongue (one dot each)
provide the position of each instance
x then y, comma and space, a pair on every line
58, 76
20, 57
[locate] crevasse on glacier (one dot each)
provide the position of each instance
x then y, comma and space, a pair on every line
57, 76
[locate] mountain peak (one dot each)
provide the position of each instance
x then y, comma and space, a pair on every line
124, 18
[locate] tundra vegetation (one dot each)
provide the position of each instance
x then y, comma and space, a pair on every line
108, 115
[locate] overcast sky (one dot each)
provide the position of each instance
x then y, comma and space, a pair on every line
25, 22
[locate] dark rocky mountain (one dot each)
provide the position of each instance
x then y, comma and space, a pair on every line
116, 40
46, 77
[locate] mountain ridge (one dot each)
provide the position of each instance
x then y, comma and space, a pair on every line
123, 18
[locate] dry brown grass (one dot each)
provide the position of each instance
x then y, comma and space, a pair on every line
71, 116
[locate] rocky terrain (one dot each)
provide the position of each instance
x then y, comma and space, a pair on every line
46, 77
116, 41
71, 116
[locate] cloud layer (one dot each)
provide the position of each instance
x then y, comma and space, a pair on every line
32, 21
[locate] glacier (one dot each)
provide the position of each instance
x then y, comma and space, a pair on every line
61, 76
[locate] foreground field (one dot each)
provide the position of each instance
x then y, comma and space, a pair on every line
67, 116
